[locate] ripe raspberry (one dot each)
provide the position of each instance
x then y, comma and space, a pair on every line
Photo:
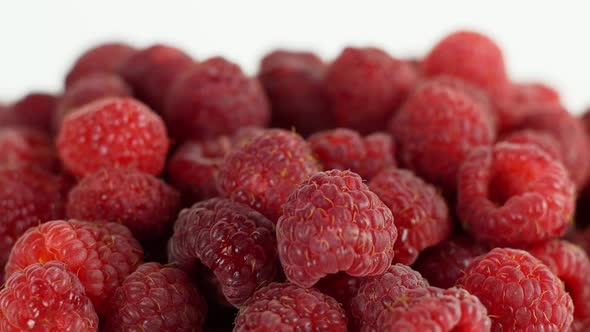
233, 242
542, 140
26, 147
214, 98
104, 58
34, 110
443, 264
287, 307
470, 56
420, 213
152, 71
101, 255
45, 298
345, 149
571, 264
512, 194
293, 84
570, 135
436, 129
140, 201
89, 89
264, 171
520, 292
193, 168
113, 133
156, 298
342, 287
364, 86
28, 197
332, 222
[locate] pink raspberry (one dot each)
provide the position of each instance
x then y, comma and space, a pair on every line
26, 147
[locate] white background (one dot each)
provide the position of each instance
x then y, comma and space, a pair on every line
541, 40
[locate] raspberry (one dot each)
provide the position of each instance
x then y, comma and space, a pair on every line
470, 56
156, 298
229, 239
89, 89
520, 292
342, 287
571, 264
332, 222
287, 307
345, 149
580, 237
152, 71
45, 298
293, 84
364, 86
113, 133
214, 98
140, 201
570, 135
420, 213
34, 110
101, 255
265, 170
542, 140
512, 194
28, 197
104, 58
193, 167
437, 128
443, 264
26, 147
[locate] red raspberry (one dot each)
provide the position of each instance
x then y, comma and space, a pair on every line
232, 241
156, 298
140, 201
104, 58
512, 194
101, 255
443, 264
364, 86
332, 222
293, 84
470, 56
28, 197
420, 212
570, 135
342, 287
345, 149
571, 264
214, 98
26, 147
520, 292
580, 237
286, 307
152, 71
436, 129
34, 110
541, 139
193, 168
264, 171
45, 298
89, 89
113, 133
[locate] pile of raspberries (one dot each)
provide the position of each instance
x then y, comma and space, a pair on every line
159, 192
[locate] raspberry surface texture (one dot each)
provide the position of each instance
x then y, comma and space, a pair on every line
101, 255
214, 98
512, 194
230, 240
113, 133
519, 292
34, 110
156, 298
26, 147
287, 307
293, 83
345, 149
145, 204
420, 212
364, 86
265, 170
541, 139
332, 222
436, 129
46, 297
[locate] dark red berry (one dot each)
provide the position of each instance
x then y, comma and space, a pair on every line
35, 110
